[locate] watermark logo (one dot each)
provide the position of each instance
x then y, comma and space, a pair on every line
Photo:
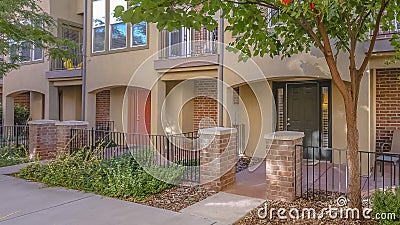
337, 211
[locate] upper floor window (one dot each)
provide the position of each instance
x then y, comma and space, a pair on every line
110, 33
24, 52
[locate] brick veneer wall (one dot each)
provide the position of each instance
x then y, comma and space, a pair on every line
283, 165
218, 157
205, 107
387, 105
47, 138
103, 106
23, 99
42, 139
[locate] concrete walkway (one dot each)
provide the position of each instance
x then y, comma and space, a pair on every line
224, 207
23, 202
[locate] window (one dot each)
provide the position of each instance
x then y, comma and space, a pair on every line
37, 53
24, 52
99, 25
117, 27
110, 33
139, 34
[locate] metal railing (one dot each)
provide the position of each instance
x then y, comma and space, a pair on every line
160, 150
17, 135
105, 125
185, 43
325, 172
72, 63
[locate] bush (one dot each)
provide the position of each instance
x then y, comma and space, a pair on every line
384, 202
12, 155
120, 177
21, 114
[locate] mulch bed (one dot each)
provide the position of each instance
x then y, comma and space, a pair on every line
253, 218
183, 196
177, 198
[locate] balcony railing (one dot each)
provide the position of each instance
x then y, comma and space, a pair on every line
72, 63
185, 43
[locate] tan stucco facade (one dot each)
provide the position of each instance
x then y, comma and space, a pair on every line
116, 70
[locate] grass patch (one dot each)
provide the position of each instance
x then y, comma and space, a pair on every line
13, 155
120, 177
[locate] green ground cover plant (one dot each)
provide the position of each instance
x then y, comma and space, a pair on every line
122, 177
388, 201
13, 155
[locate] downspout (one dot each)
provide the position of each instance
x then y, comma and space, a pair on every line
84, 60
221, 71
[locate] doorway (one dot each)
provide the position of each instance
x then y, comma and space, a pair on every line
305, 106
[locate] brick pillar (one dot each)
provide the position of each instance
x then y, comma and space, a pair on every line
64, 133
205, 106
217, 157
42, 139
283, 165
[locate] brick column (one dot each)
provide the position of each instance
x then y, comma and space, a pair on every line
42, 139
217, 157
283, 165
64, 133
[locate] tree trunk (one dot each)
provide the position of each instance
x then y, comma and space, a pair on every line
353, 155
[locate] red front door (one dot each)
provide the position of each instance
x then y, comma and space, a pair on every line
139, 110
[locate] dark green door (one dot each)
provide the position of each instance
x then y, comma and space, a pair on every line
303, 112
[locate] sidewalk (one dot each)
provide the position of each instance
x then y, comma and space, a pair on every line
24, 202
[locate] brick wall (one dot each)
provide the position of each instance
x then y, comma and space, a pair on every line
205, 106
217, 157
103, 106
23, 99
387, 105
283, 165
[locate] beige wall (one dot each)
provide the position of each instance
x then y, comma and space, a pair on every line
71, 102
67, 10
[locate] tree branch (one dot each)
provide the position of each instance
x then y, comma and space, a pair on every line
373, 39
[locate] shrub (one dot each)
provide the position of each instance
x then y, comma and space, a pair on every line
384, 202
120, 177
21, 114
12, 155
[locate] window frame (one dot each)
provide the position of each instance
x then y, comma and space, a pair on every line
129, 37
94, 27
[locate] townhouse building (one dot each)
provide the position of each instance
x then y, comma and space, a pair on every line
150, 81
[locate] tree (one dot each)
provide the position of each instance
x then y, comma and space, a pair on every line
332, 26
24, 24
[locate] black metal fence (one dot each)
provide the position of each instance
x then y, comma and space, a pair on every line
325, 172
72, 63
17, 135
160, 150
105, 125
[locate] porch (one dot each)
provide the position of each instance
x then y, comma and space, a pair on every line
318, 180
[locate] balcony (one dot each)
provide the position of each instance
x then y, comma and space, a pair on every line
187, 48
382, 43
66, 68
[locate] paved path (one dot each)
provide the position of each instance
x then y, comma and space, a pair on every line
224, 207
23, 202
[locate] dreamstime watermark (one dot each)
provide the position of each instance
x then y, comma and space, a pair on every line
338, 211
